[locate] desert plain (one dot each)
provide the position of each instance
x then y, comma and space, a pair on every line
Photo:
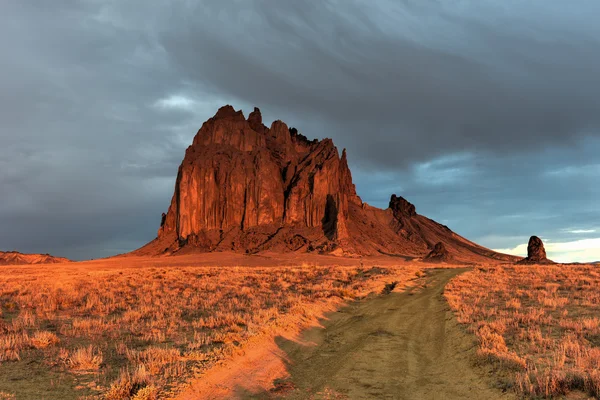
226, 325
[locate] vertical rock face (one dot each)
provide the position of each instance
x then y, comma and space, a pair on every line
536, 253
240, 175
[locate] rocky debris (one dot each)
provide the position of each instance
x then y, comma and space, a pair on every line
246, 187
438, 254
16, 258
536, 253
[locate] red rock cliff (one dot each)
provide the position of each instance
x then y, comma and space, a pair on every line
240, 175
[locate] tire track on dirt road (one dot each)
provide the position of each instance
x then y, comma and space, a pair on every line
399, 346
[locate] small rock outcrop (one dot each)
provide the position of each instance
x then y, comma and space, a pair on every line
16, 258
402, 207
536, 253
438, 254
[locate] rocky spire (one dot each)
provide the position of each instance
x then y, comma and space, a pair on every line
536, 253
255, 120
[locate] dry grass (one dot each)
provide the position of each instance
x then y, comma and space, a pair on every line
138, 333
540, 322
43, 339
133, 386
86, 358
11, 345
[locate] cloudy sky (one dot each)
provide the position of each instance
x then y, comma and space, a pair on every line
485, 114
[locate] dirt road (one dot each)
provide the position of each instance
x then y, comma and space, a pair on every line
398, 346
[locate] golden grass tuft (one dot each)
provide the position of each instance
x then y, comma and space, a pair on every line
43, 339
87, 358
147, 393
136, 386
11, 345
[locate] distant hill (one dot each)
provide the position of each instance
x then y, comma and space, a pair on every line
248, 188
16, 258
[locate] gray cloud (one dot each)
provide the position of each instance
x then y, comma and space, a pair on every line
484, 114
503, 89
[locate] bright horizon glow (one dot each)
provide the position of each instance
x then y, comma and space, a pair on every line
584, 250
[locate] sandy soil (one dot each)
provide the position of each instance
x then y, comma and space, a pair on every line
399, 346
104, 266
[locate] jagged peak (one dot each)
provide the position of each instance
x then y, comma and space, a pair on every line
277, 129
300, 138
255, 120
402, 207
227, 111
279, 124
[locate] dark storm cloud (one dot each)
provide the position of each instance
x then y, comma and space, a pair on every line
417, 81
485, 114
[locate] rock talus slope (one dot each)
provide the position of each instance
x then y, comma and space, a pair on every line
246, 187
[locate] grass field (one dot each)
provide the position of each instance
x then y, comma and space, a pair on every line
538, 325
131, 332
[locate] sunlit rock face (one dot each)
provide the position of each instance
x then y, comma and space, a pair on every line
240, 175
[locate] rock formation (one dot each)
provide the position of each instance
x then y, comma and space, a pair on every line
536, 253
240, 182
16, 258
438, 254
246, 187
401, 207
